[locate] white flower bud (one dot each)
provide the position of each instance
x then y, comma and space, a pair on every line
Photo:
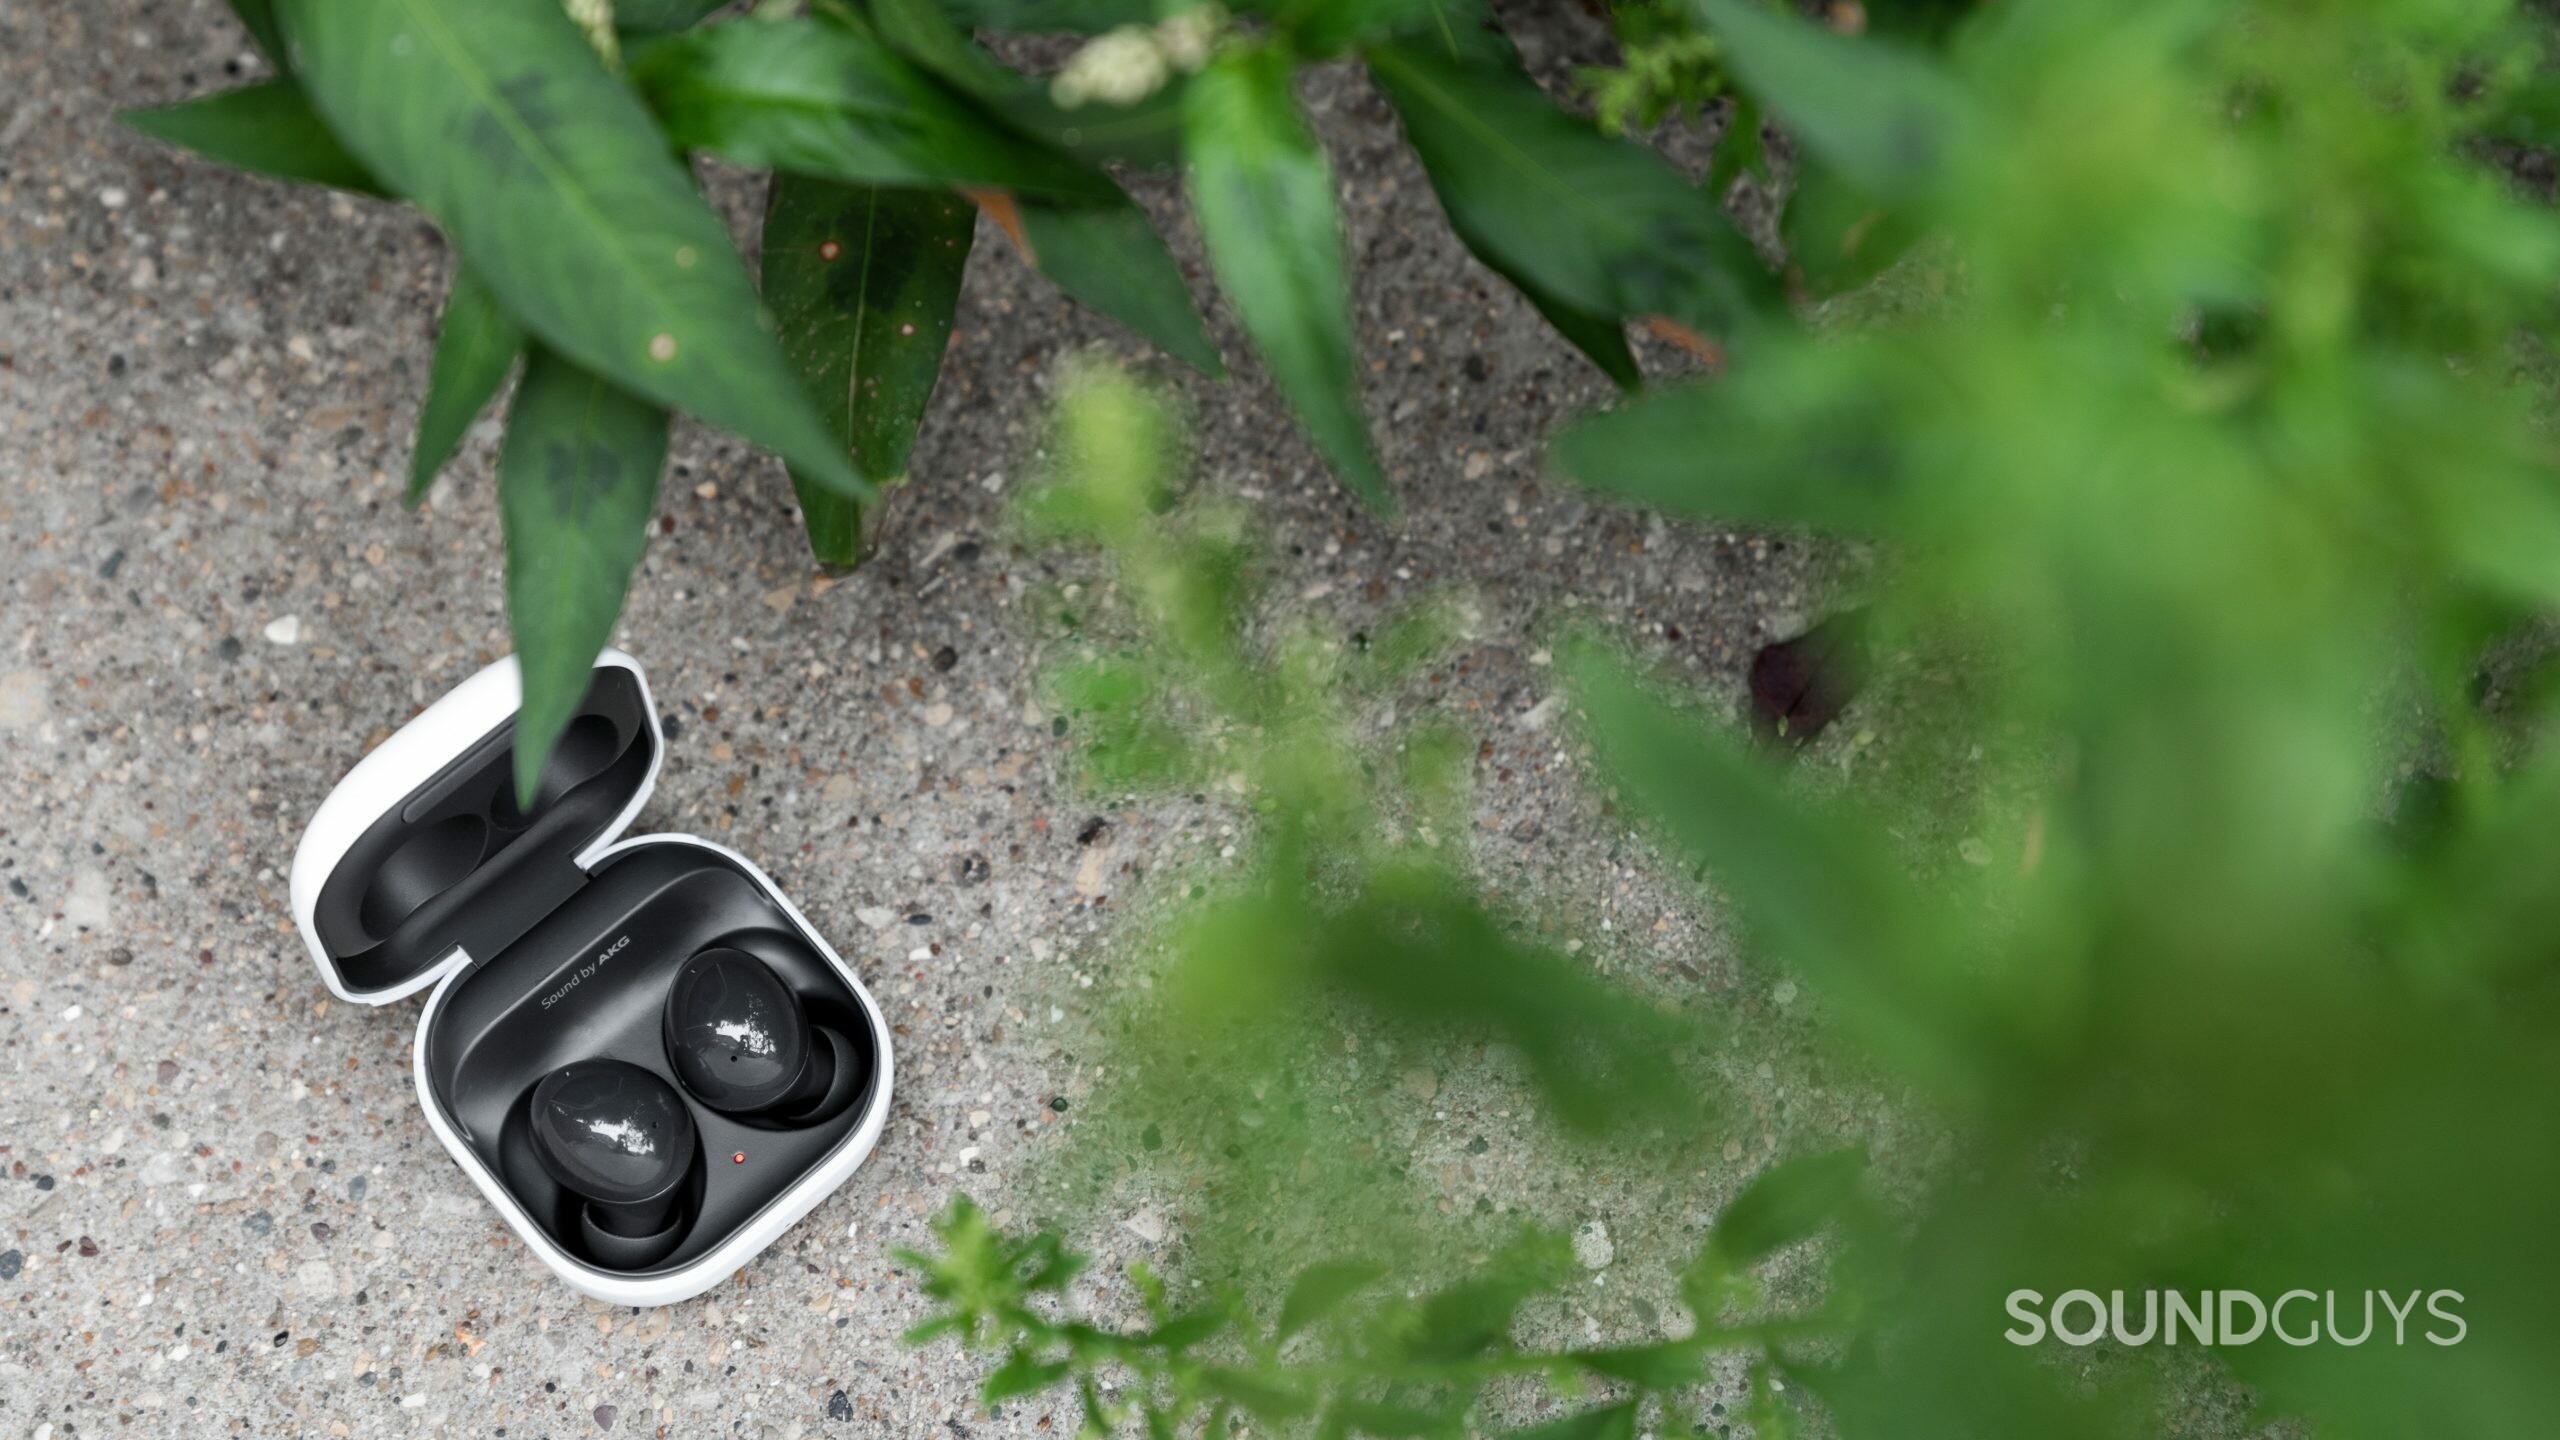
1121, 68
1187, 38
596, 18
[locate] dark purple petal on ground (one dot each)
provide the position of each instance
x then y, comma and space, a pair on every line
1801, 685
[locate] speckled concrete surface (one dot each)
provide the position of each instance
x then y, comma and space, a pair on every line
219, 1209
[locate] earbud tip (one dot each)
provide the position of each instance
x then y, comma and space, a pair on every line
843, 1074
626, 1252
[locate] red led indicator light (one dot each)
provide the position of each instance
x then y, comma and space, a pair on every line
738, 1159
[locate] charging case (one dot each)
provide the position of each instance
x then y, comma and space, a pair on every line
542, 936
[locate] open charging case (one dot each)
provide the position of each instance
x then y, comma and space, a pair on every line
544, 937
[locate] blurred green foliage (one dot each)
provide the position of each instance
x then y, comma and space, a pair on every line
2207, 483
1666, 69
2196, 885
1352, 885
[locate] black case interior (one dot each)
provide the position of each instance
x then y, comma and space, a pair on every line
458, 862
570, 964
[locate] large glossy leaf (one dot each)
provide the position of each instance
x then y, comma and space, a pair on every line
863, 282
1146, 132
1459, 31
1600, 225
498, 119
1110, 257
1602, 339
577, 480
823, 99
1106, 255
268, 128
1884, 117
475, 348
1265, 201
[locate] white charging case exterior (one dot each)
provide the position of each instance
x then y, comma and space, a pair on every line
380, 784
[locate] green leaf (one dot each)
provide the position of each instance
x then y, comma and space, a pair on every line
862, 282
1650, 1367
498, 119
1325, 27
1602, 339
1458, 33
475, 347
1022, 1373
1416, 944
1147, 132
1466, 1319
1464, 30
1370, 1417
2527, 113
1812, 885
1600, 225
1098, 1417
1084, 17
1885, 118
1264, 1399
1617, 1422
1044, 1263
1838, 238
1184, 1331
1744, 148
1110, 258
258, 17
661, 17
1787, 1203
934, 1329
268, 128
1264, 197
923, 32
1765, 1413
577, 480
825, 100
1792, 439
1320, 1290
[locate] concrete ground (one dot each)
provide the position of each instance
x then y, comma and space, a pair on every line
220, 1211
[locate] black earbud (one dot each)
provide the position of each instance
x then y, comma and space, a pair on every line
740, 1040
620, 1138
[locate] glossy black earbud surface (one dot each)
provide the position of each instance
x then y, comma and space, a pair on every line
741, 1041
620, 1138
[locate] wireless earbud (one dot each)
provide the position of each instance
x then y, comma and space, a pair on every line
741, 1042
620, 1138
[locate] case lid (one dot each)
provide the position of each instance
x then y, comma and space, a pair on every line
421, 859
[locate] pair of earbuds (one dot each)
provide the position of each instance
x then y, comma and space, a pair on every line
620, 1138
